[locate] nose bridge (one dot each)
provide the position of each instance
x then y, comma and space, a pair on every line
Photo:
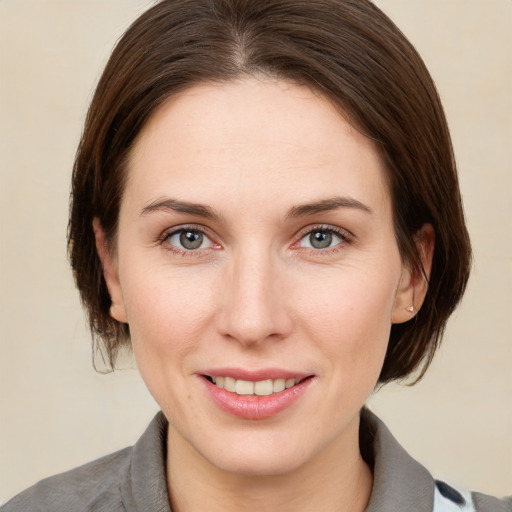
254, 309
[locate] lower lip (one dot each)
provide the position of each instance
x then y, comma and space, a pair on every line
253, 407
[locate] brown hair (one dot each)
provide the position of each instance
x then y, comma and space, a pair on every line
346, 49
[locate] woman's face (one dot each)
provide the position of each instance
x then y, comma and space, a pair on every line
256, 249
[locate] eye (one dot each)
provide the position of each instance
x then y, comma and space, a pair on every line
189, 239
322, 238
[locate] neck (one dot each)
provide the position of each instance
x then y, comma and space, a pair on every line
335, 480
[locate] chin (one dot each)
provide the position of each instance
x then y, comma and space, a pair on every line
259, 464
251, 452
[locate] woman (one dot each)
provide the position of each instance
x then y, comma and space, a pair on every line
259, 208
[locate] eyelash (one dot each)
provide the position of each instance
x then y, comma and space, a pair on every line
345, 236
164, 240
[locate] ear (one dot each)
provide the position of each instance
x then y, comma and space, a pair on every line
413, 285
108, 263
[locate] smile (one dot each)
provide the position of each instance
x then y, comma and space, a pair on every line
260, 388
259, 395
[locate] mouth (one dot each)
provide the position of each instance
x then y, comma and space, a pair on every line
265, 387
253, 399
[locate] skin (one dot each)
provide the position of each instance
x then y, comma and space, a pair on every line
256, 294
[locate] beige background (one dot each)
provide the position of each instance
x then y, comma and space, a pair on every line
56, 412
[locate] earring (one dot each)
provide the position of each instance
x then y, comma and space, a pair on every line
410, 309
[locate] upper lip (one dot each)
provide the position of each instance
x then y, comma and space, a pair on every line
255, 375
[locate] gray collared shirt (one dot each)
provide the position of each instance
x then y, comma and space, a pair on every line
133, 480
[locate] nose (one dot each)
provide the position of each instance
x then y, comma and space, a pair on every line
254, 300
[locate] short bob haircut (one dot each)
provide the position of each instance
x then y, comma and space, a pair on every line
348, 51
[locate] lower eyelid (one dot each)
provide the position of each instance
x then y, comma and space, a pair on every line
177, 248
342, 235
336, 243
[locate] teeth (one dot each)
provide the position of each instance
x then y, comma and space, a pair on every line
289, 383
244, 387
260, 388
229, 384
279, 385
264, 387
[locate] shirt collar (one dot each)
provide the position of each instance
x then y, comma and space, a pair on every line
145, 489
399, 482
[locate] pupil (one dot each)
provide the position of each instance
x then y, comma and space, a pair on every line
191, 239
320, 239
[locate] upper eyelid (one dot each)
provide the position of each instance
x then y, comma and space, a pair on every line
191, 227
347, 238
168, 233
164, 241
343, 232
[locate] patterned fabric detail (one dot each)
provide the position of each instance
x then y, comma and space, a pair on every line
448, 499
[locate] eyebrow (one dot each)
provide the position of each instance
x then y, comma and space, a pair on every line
168, 204
327, 205
207, 212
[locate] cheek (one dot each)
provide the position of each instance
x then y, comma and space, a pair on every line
167, 311
168, 320
350, 320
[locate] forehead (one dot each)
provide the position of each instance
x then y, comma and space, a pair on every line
259, 139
